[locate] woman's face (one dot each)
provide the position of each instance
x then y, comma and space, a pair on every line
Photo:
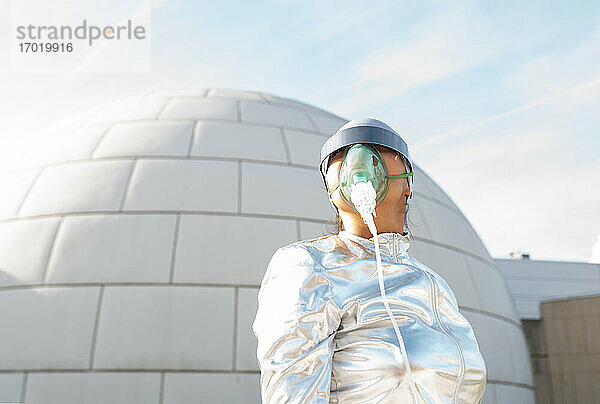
397, 193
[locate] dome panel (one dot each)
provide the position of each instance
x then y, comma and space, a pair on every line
327, 124
419, 183
24, 250
10, 387
304, 147
495, 297
246, 341
449, 227
189, 92
183, 185
185, 388
283, 190
200, 108
299, 105
275, 99
494, 344
113, 248
146, 139
35, 333
433, 190
64, 145
513, 394
243, 95
490, 394
126, 110
78, 187
275, 115
520, 352
451, 266
164, 327
14, 186
416, 220
312, 229
200, 259
233, 140
93, 388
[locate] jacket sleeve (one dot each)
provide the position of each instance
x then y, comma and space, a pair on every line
295, 326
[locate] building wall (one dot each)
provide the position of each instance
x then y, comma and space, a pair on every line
572, 331
538, 353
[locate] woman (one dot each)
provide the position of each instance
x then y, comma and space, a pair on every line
328, 331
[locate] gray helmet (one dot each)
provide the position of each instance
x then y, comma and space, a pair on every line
365, 130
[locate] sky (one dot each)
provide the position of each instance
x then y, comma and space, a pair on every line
498, 101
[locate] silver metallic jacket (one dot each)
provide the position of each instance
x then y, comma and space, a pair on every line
324, 335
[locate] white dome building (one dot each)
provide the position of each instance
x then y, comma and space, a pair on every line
133, 244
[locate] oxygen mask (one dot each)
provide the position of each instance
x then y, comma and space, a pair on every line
363, 164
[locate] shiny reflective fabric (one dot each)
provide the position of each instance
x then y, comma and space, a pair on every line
324, 335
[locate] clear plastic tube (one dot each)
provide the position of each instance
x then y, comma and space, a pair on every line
363, 198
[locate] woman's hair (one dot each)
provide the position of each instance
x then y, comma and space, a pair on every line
334, 226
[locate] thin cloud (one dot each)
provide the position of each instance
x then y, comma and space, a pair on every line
558, 69
460, 130
549, 78
350, 16
447, 46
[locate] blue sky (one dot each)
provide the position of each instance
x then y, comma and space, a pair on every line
499, 101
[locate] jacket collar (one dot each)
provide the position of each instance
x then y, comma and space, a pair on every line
392, 245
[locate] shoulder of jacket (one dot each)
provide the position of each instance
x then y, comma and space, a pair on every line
291, 261
313, 242
303, 248
292, 268
296, 252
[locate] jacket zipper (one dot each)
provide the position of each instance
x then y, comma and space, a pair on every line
434, 289
395, 240
461, 374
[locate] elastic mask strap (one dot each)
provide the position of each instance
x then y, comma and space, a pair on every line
333, 190
338, 173
391, 176
401, 175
